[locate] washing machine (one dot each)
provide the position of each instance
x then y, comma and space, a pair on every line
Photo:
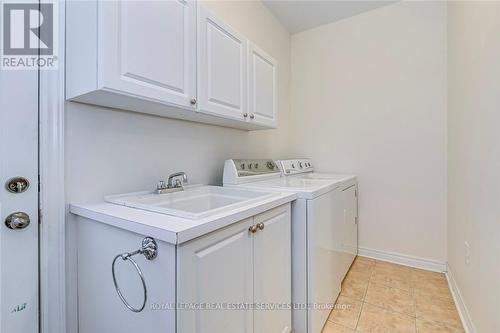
322, 244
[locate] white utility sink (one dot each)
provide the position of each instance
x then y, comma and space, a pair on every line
194, 202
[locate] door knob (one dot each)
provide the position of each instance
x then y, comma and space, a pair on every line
17, 220
260, 226
253, 229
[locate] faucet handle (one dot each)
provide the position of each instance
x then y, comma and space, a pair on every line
161, 185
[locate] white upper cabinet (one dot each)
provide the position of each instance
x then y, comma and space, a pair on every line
222, 68
168, 58
149, 49
121, 52
262, 87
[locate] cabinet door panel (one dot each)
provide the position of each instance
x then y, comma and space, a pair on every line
154, 52
217, 269
272, 270
350, 203
222, 62
262, 73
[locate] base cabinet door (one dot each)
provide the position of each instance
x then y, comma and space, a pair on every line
216, 270
272, 271
237, 279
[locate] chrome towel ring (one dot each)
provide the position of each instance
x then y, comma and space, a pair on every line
149, 248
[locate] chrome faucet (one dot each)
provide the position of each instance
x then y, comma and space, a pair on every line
171, 185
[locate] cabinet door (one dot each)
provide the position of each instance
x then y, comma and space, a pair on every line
263, 95
216, 269
350, 205
272, 270
148, 49
222, 68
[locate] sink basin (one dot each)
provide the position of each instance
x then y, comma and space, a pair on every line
194, 202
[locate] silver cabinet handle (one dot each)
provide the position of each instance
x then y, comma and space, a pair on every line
252, 116
193, 101
245, 115
253, 229
17, 221
260, 226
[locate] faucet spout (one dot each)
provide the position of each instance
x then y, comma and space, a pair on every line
178, 183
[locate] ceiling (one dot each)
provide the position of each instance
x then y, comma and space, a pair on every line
300, 15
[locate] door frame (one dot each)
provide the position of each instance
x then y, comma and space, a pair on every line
52, 249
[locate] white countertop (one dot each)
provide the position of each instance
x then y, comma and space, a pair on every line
172, 229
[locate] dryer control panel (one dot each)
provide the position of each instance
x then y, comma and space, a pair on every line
238, 171
296, 166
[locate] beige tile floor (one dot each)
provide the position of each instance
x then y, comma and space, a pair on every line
381, 297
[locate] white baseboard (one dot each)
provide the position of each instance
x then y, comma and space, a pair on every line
459, 302
402, 259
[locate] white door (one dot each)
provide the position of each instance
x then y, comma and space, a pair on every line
18, 240
217, 269
222, 68
263, 95
149, 49
272, 270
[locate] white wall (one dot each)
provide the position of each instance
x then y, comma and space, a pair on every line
474, 157
111, 151
369, 97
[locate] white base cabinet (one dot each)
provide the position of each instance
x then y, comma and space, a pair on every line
235, 269
168, 58
230, 280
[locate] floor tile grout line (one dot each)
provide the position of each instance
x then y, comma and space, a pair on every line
359, 316
412, 294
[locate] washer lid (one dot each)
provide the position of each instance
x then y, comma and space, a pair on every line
304, 188
334, 177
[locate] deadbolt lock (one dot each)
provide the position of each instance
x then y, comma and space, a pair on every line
17, 185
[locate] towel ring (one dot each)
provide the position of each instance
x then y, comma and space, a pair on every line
149, 248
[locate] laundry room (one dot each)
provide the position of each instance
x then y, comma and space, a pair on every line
250, 166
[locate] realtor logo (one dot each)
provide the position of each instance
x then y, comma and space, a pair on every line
28, 35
